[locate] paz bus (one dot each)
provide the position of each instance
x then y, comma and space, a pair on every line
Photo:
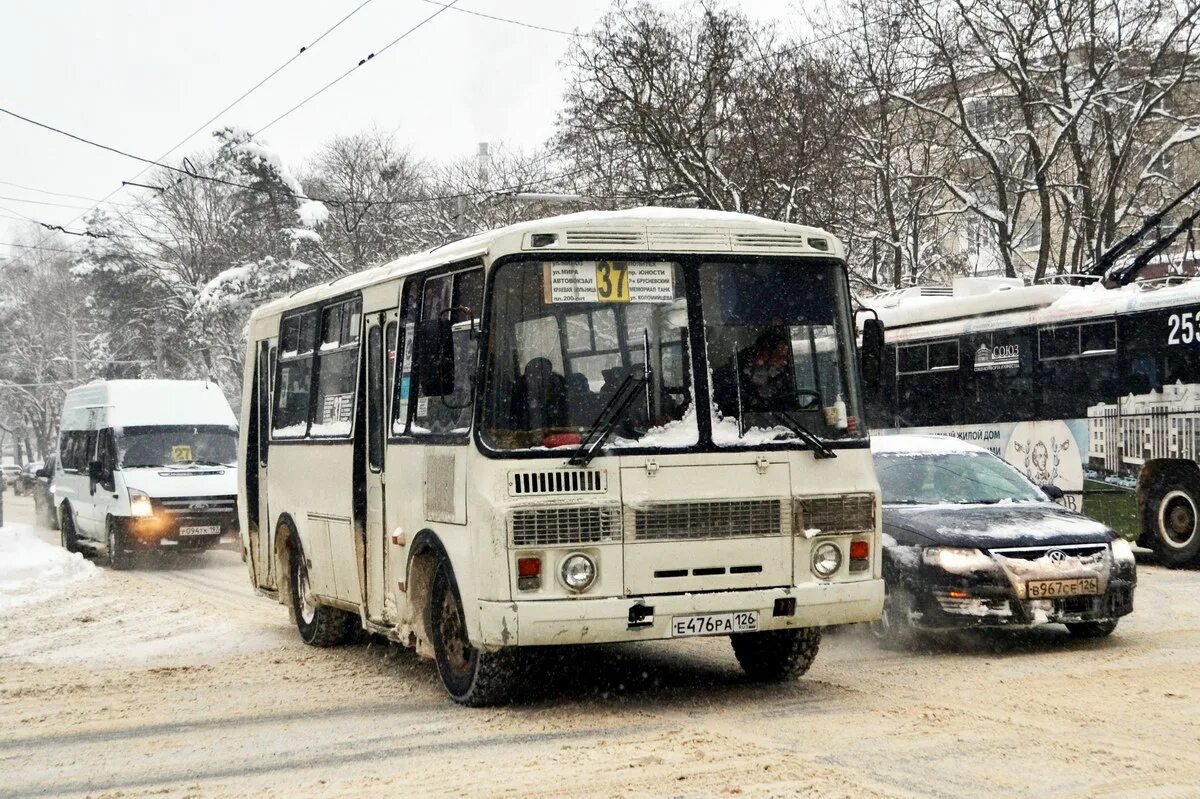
1092, 390
600, 427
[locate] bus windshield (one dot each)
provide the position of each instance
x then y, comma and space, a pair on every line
580, 345
168, 445
569, 340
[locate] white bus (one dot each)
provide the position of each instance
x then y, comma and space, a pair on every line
1095, 391
601, 427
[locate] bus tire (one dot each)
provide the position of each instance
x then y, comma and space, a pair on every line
472, 677
1171, 516
776, 655
319, 625
114, 541
66, 528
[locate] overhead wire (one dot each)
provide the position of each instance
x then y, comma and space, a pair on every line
496, 18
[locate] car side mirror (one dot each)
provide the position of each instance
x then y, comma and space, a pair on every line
43, 473
871, 355
1054, 492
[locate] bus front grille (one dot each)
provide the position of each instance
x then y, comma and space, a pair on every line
674, 521
558, 481
846, 513
196, 506
589, 524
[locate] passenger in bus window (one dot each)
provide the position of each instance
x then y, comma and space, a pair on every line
541, 396
767, 376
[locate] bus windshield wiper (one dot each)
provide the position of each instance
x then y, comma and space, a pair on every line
612, 413
819, 447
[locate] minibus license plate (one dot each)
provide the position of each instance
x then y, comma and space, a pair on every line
210, 529
715, 624
1047, 589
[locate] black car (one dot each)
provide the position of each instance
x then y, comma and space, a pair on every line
968, 541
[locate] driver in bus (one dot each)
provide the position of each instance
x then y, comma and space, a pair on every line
765, 370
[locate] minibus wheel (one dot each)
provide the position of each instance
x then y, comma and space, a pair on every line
1171, 516
114, 540
473, 677
66, 527
777, 655
319, 625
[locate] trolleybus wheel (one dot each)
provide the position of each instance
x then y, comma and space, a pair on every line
66, 528
319, 625
1172, 517
473, 677
1092, 629
114, 541
777, 655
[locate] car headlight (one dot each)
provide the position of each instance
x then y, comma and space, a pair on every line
578, 571
826, 559
958, 560
139, 503
1122, 551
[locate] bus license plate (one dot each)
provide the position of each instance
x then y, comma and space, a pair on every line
1048, 589
745, 621
211, 529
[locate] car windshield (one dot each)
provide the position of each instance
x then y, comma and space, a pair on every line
166, 445
567, 337
778, 351
958, 478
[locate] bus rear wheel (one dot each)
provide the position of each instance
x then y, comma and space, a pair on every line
1172, 517
473, 677
777, 655
319, 625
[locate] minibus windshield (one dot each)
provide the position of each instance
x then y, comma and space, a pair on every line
170, 445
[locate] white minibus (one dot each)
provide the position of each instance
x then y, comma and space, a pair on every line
600, 427
146, 465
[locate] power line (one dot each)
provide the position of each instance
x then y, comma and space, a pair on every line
370, 57
33, 247
506, 19
52, 193
45, 202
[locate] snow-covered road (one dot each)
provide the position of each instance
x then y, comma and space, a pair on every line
177, 681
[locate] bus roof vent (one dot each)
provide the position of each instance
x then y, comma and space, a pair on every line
706, 240
557, 481
769, 242
634, 239
936, 291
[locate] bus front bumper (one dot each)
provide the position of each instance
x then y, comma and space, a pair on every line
609, 620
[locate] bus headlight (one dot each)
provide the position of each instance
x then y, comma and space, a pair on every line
826, 559
578, 571
139, 503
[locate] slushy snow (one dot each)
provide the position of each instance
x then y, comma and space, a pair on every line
33, 571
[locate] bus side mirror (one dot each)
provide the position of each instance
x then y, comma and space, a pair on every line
96, 471
871, 354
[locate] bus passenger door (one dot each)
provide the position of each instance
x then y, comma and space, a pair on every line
375, 552
265, 545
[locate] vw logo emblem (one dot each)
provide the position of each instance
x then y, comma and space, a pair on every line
204, 506
1057, 556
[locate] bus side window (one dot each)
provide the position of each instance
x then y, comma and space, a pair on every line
446, 347
403, 358
297, 340
375, 399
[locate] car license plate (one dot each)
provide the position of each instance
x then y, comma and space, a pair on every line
745, 621
211, 529
1052, 589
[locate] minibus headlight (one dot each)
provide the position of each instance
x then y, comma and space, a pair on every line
139, 503
578, 571
826, 559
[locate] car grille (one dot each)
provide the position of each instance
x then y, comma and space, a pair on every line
1036, 553
589, 524
673, 521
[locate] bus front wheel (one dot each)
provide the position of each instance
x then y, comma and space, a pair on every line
1172, 517
473, 677
319, 625
119, 559
66, 528
777, 655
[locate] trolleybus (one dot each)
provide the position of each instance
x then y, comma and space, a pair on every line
600, 427
1093, 390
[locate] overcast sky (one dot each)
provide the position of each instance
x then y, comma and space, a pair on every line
141, 74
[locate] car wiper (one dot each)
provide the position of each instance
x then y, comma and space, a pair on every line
612, 413
820, 448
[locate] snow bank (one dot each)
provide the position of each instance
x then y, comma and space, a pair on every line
32, 570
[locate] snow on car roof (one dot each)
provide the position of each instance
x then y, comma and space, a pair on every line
921, 445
